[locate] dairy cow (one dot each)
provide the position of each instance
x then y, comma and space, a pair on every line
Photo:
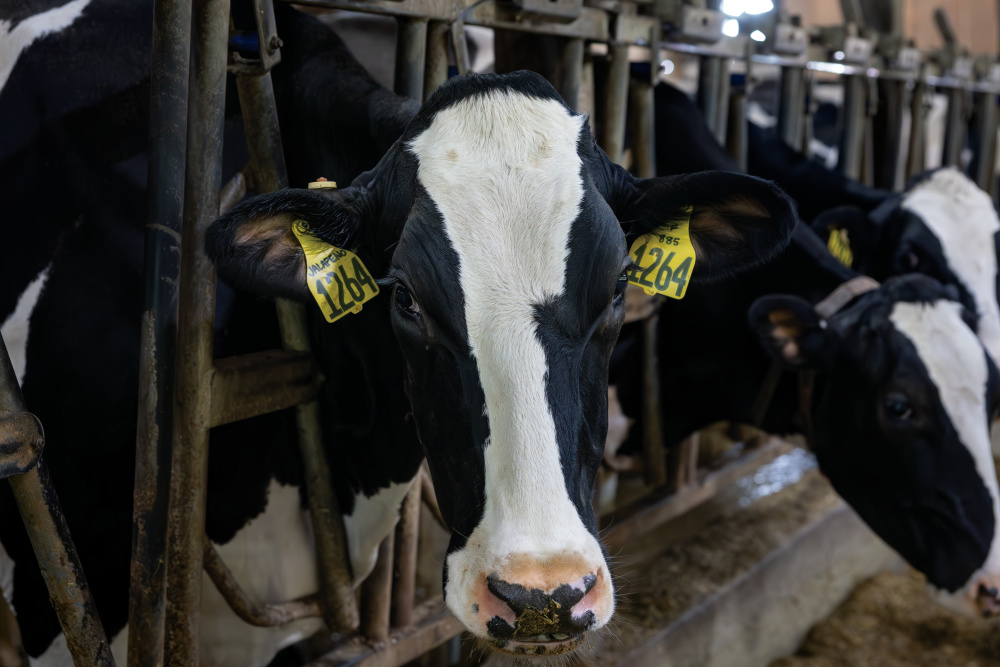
79, 362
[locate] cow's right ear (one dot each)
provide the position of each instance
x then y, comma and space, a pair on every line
253, 246
792, 332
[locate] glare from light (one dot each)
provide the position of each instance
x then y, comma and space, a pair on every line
730, 27
668, 66
739, 7
757, 36
839, 55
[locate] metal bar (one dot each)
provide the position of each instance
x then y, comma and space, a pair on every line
652, 425
643, 127
713, 95
436, 65
53, 546
722, 97
233, 191
255, 384
615, 102
411, 47
571, 67
460, 46
852, 138
790, 106
260, 121
196, 317
987, 149
171, 52
376, 595
430, 498
955, 129
261, 615
405, 566
916, 155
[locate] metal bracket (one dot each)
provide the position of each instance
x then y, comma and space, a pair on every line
265, 43
21, 441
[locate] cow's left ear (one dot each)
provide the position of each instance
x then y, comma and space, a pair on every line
737, 221
254, 248
791, 331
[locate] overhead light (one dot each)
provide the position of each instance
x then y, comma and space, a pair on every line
730, 27
668, 66
757, 36
739, 7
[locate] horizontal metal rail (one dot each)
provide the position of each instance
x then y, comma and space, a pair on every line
254, 384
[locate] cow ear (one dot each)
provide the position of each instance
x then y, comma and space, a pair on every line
737, 221
791, 331
848, 234
253, 246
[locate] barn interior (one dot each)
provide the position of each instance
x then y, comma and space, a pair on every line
777, 487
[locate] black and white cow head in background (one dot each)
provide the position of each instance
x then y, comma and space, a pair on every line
912, 453
504, 233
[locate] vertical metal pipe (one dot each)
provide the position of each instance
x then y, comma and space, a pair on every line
260, 122
852, 139
709, 76
376, 595
916, 155
411, 46
736, 136
615, 102
587, 103
53, 546
405, 567
571, 66
460, 47
655, 452
790, 106
436, 66
171, 51
955, 130
196, 316
987, 149
643, 127
722, 102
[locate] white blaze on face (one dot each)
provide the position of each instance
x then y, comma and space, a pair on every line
956, 363
504, 172
964, 221
13, 42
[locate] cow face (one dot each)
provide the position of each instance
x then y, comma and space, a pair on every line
945, 227
503, 231
901, 417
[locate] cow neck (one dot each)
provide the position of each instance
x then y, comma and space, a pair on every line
829, 306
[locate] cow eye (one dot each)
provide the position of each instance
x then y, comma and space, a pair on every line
621, 285
898, 407
405, 300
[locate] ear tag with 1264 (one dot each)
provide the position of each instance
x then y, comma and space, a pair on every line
337, 278
839, 245
664, 259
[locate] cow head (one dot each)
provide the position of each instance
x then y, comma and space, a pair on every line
504, 232
901, 418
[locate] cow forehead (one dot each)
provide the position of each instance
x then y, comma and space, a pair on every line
504, 173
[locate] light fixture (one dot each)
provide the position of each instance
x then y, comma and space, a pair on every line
757, 36
730, 27
739, 7
668, 66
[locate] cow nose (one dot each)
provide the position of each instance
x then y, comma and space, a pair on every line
537, 616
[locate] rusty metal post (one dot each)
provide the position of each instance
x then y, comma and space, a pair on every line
436, 65
615, 102
50, 539
571, 66
260, 120
195, 333
643, 127
652, 432
376, 595
405, 566
411, 46
167, 150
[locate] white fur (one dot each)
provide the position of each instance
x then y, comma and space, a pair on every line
56, 655
372, 519
504, 172
963, 219
15, 328
957, 365
14, 42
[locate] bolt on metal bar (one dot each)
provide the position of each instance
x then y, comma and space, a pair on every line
615, 96
411, 47
195, 332
167, 148
260, 120
53, 546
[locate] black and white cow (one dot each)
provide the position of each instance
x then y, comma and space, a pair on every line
503, 231
80, 365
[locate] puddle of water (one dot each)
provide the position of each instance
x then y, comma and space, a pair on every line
771, 478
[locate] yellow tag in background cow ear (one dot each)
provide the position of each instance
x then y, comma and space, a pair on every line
337, 278
664, 259
839, 246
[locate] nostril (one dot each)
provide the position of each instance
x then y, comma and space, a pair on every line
516, 612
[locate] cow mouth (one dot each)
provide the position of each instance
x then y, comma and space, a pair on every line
554, 644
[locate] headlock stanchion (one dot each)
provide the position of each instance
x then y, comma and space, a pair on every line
22, 463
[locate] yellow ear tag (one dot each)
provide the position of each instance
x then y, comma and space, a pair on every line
337, 278
839, 246
665, 259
